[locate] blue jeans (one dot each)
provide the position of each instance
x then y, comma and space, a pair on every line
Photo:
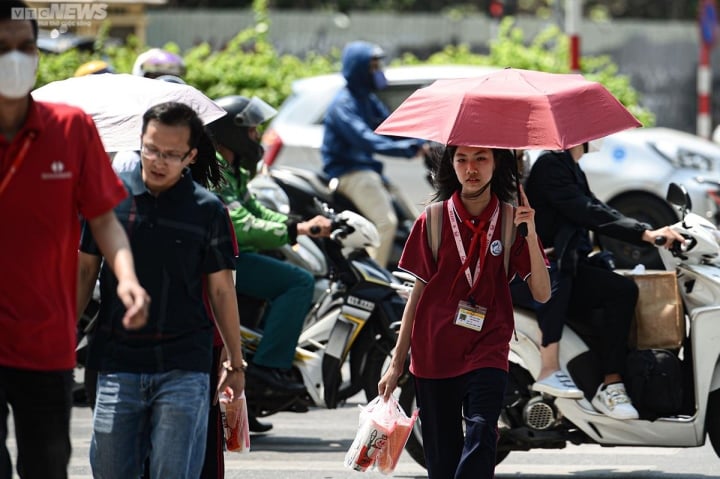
162, 415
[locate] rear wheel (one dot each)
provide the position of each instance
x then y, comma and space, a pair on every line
646, 208
712, 421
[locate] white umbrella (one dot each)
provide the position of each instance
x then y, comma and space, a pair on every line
117, 102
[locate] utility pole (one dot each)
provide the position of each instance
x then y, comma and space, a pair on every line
573, 16
708, 24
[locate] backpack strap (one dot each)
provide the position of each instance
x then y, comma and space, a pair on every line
508, 232
433, 226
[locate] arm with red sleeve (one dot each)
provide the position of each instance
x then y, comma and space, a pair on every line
99, 191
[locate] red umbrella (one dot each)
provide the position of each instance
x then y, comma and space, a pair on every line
511, 108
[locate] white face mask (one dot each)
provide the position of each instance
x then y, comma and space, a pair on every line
18, 74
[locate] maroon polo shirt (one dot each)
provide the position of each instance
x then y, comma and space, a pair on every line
440, 348
66, 173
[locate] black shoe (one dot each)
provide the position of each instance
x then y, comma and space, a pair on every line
274, 378
257, 426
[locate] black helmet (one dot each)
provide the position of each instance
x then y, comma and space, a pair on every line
231, 131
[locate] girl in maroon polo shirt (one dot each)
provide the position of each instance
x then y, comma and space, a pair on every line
459, 318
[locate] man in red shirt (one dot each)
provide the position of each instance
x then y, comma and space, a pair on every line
53, 169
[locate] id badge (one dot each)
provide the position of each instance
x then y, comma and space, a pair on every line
470, 316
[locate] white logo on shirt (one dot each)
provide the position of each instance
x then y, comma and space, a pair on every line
57, 172
496, 248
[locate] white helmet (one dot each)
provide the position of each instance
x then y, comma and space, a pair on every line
157, 62
363, 235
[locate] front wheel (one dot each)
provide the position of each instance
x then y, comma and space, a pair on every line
712, 420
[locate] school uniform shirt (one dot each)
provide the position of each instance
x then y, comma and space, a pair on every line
65, 174
439, 347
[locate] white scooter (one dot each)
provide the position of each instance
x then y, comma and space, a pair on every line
531, 420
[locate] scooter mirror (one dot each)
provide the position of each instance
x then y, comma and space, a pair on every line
678, 196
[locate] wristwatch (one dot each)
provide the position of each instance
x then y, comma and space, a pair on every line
230, 368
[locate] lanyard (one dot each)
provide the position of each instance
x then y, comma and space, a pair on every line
17, 161
461, 249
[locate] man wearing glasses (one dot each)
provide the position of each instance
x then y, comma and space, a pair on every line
153, 385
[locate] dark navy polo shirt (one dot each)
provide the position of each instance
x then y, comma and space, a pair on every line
177, 238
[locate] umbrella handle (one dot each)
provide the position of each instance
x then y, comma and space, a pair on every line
522, 228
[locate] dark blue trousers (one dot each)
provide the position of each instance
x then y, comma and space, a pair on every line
41, 403
475, 397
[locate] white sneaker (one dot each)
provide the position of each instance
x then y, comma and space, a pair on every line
558, 384
612, 400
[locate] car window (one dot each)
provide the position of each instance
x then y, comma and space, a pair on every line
393, 95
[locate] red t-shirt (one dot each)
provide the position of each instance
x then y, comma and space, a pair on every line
66, 173
440, 348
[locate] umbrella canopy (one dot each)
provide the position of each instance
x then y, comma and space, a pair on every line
117, 102
510, 108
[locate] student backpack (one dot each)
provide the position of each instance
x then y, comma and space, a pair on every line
433, 225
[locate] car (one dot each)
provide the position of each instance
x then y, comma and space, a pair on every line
53, 41
630, 171
295, 134
56, 42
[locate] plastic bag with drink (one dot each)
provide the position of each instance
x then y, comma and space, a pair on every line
235, 422
383, 430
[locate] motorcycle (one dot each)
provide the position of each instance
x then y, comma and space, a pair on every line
531, 420
302, 186
348, 333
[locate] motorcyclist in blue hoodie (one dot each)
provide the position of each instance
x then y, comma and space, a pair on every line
350, 141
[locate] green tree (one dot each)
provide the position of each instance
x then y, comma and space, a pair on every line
549, 51
250, 65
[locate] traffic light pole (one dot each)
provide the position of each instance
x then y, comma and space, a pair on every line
573, 15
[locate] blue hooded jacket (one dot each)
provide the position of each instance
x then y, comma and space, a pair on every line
353, 115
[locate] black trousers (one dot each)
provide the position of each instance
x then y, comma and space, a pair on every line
214, 465
616, 296
477, 397
581, 296
41, 403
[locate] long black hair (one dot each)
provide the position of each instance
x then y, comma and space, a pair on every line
445, 181
207, 169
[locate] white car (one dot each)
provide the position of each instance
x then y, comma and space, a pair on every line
631, 171
295, 135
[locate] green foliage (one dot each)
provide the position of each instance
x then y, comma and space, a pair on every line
249, 65
549, 51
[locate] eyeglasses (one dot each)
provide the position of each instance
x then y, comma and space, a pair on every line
152, 153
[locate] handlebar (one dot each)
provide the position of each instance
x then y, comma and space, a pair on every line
677, 247
340, 229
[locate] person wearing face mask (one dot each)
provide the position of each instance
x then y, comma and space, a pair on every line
349, 141
53, 169
287, 288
